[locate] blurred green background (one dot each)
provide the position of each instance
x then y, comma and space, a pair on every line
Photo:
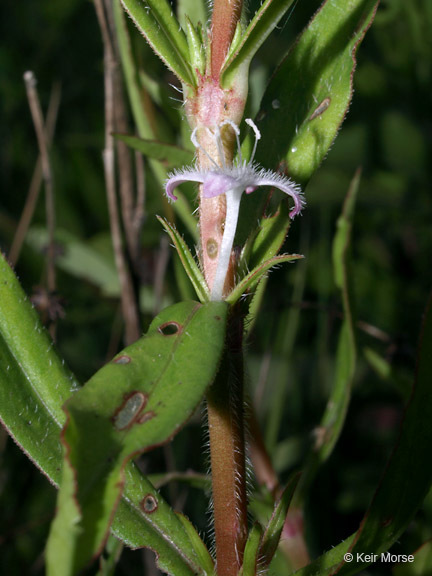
388, 133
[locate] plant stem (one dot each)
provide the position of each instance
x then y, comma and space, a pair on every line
36, 181
128, 296
42, 138
225, 408
226, 14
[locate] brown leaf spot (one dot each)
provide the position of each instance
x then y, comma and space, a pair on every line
122, 359
129, 411
170, 328
149, 504
145, 417
320, 109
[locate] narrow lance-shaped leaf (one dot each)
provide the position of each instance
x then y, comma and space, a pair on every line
251, 552
394, 503
250, 281
138, 401
260, 27
159, 25
270, 236
308, 96
34, 383
334, 415
275, 526
144, 117
142, 121
421, 565
188, 261
170, 155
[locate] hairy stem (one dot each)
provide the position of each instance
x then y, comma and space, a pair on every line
226, 14
225, 408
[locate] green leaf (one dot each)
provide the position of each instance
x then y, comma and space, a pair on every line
111, 556
196, 10
34, 384
158, 24
270, 237
170, 155
190, 266
275, 526
421, 565
79, 259
196, 47
145, 119
161, 531
326, 564
251, 551
309, 95
138, 401
258, 30
251, 280
393, 505
142, 121
330, 428
203, 555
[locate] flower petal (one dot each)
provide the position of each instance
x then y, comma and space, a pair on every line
216, 183
177, 178
269, 178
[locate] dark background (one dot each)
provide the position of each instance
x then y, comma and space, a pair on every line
387, 133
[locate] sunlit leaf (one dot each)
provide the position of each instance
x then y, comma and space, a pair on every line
309, 95
138, 401
34, 384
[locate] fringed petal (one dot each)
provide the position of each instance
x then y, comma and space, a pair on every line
269, 178
178, 177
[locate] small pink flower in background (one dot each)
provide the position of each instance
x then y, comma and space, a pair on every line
232, 180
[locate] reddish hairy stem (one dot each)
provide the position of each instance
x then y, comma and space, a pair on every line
225, 408
226, 14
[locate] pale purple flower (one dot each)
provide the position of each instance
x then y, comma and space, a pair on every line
232, 180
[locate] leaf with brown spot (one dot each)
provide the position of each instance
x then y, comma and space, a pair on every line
125, 409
